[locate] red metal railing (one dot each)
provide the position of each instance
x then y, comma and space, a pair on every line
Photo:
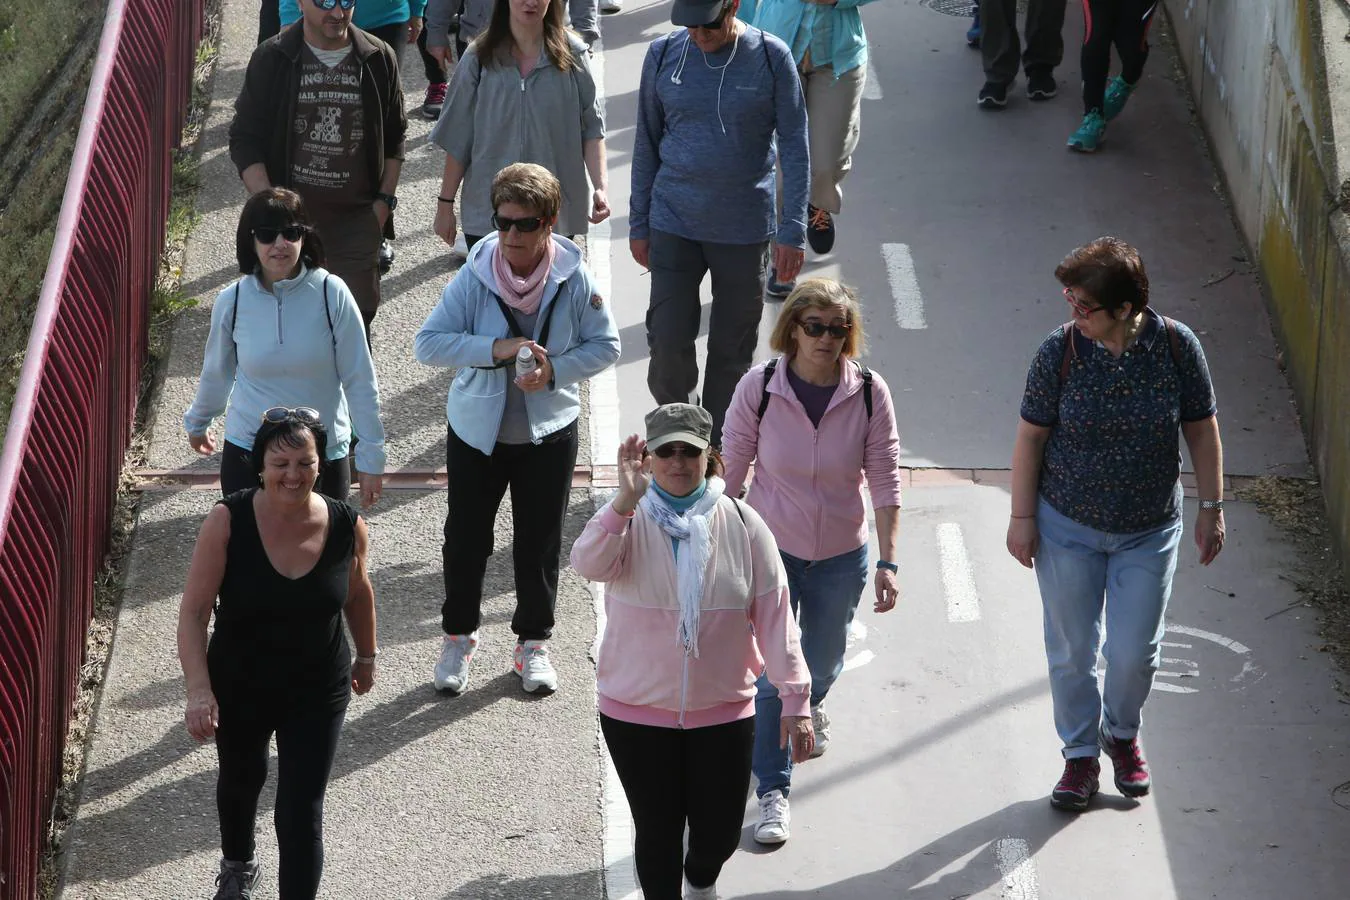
76, 400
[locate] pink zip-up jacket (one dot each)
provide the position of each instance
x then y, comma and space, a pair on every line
808, 482
746, 625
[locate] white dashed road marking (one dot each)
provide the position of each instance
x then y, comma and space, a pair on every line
958, 579
904, 286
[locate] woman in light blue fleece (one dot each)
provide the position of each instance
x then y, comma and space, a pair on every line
287, 334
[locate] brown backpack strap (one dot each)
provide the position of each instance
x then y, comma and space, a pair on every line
1070, 352
1173, 343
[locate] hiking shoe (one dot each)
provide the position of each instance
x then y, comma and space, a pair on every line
993, 95
820, 722
237, 880
1077, 785
452, 669
1127, 758
434, 101
1041, 85
536, 672
778, 290
611, 6
974, 31
704, 893
819, 229
1118, 92
1089, 135
386, 257
774, 817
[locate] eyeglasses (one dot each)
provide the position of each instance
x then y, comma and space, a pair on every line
292, 234
526, 225
329, 4
666, 451
1080, 309
716, 24
816, 329
305, 415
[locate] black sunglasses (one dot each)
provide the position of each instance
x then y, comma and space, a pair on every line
666, 451
305, 415
716, 24
292, 233
524, 226
816, 329
329, 4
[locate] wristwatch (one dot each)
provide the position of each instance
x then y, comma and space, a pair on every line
887, 565
389, 200
1211, 504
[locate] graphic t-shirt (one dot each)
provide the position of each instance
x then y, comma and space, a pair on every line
328, 165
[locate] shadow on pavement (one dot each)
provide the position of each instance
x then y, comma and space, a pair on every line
571, 886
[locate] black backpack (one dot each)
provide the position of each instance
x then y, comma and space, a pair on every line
1071, 351
328, 314
773, 364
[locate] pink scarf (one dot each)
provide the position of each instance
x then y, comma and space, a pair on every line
523, 294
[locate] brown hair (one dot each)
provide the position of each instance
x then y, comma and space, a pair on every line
275, 208
528, 185
494, 43
1109, 271
818, 293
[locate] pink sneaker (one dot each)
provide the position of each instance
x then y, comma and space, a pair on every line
1132, 775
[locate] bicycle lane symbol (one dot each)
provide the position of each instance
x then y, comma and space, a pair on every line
1175, 669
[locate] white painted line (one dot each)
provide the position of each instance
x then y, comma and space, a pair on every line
859, 661
872, 86
1018, 870
1194, 673
1189, 664
857, 632
1212, 637
604, 388
1171, 644
958, 578
1173, 688
904, 286
620, 874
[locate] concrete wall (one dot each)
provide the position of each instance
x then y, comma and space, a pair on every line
1271, 79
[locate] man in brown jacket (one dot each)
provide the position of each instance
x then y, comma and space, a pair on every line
321, 113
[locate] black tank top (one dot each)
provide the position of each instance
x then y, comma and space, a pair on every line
278, 644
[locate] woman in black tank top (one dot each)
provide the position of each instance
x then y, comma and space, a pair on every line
279, 565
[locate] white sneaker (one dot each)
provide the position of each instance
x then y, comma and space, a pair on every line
693, 893
774, 817
535, 671
611, 6
452, 669
820, 722
460, 248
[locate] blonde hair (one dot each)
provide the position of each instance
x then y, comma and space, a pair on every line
818, 293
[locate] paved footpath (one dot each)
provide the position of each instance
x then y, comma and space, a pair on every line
935, 784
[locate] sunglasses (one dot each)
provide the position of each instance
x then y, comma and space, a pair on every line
666, 451
716, 24
524, 226
816, 329
292, 234
305, 415
329, 4
1080, 309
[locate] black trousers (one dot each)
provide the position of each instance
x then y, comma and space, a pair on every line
269, 19
396, 35
540, 479
1000, 48
1123, 23
306, 746
671, 777
335, 477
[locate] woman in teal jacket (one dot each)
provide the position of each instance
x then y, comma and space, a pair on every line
830, 48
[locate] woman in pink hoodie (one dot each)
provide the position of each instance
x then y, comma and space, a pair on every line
816, 423
697, 606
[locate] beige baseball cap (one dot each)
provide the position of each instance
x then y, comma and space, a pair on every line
679, 422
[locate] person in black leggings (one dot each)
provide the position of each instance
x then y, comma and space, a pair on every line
1124, 24
274, 667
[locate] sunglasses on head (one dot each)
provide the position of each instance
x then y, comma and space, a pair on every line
716, 24
305, 415
524, 226
666, 451
1080, 309
292, 234
329, 4
816, 329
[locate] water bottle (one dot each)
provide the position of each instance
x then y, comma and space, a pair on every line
525, 363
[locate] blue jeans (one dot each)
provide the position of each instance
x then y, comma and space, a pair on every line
1079, 570
825, 595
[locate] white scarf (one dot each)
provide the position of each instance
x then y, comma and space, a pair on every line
691, 533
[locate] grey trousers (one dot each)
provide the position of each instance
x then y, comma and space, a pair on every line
833, 125
738, 280
585, 18
1000, 48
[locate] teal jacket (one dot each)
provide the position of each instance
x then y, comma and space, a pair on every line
369, 13
782, 18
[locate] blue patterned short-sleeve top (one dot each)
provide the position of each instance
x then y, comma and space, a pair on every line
1113, 459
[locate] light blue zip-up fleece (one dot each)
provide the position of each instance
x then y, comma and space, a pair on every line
281, 352
583, 341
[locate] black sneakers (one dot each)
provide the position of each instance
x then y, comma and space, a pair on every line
1081, 779
993, 95
819, 229
1041, 85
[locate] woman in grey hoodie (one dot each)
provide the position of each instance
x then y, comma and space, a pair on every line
523, 92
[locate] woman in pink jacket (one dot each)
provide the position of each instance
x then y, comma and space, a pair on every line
697, 605
815, 422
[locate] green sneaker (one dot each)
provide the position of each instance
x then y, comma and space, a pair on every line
1089, 134
1118, 92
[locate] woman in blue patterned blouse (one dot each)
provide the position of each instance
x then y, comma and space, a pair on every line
1097, 502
